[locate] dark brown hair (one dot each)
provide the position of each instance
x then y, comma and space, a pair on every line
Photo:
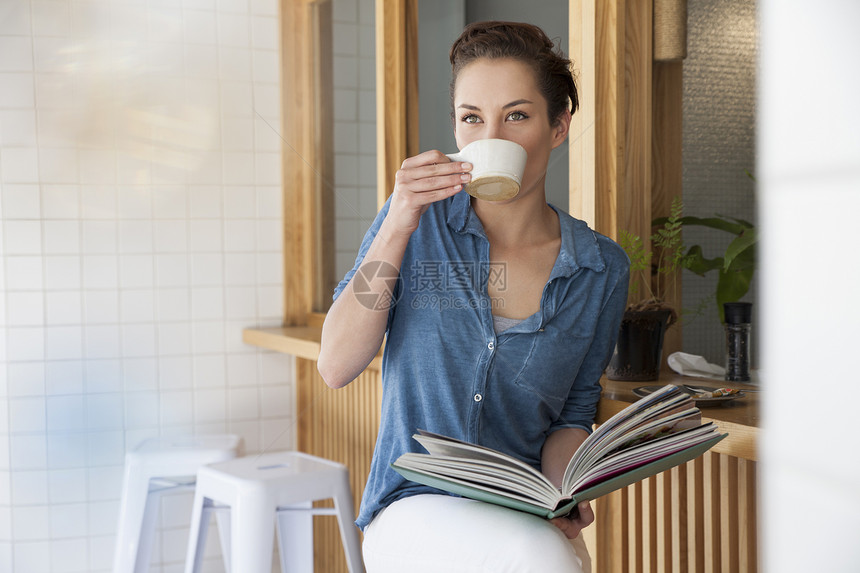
526, 43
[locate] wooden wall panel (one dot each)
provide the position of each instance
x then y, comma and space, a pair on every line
298, 158
699, 517
396, 89
307, 157
667, 169
609, 123
634, 201
610, 158
581, 140
324, 280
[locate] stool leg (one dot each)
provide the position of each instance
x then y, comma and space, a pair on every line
343, 505
147, 532
197, 533
222, 515
132, 519
296, 538
252, 534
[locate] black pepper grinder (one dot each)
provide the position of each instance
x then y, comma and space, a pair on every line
738, 318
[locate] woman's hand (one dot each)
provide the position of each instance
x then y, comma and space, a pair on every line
572, 527
557, 450
421, 180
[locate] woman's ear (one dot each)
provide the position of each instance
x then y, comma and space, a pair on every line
561, 128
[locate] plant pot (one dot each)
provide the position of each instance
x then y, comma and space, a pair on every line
639, 350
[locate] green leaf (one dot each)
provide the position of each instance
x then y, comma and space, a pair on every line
695, 261
632, 245
744, 260
742, 222
746, 240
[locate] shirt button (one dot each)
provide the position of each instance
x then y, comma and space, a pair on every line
491, 345
478, 397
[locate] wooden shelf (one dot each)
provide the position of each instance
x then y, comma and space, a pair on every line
300, 341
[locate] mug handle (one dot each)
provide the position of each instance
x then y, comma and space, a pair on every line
455, 156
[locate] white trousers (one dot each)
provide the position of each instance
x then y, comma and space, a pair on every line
444, 534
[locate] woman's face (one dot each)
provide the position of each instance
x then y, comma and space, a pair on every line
500, 99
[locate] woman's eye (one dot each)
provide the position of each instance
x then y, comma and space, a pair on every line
517, 116
471, 118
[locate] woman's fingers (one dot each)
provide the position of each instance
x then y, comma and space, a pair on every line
420, 177
429, 177
420, 181
586, 514
573, 527
434, 156
415, 183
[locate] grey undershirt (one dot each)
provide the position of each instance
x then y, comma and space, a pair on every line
501, 324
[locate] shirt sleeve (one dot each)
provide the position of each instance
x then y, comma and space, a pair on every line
362, 250
369, 236
580, 409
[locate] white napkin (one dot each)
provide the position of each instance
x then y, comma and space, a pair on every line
693, 365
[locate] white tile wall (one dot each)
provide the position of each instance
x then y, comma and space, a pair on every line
354, 127
139, 204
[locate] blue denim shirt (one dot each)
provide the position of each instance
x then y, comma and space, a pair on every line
445, 370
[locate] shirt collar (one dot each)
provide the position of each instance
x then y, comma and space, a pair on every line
579, 247
462, 218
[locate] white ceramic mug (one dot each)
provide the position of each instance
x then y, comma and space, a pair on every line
497, 171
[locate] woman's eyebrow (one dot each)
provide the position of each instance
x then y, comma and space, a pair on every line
506, 106
516, 103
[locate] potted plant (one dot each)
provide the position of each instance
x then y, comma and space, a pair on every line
639, 349
638, 353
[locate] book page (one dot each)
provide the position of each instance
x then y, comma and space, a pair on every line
481, 474
647, 408
631, 458
438, 445
479, 492
635, 432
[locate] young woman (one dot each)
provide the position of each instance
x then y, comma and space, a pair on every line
500, 318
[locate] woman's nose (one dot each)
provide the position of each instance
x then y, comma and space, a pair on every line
493, 131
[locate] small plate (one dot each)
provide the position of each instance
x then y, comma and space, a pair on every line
643, 391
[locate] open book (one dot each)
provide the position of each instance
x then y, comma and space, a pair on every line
656, 433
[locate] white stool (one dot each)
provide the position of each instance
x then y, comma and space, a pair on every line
155, 467
260, 488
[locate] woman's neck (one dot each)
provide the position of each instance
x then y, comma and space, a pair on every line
526, 221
